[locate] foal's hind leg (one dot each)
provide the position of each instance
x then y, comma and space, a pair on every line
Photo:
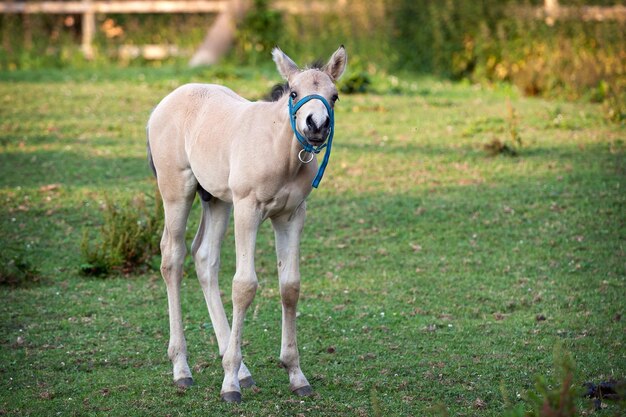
177, 200
206, 252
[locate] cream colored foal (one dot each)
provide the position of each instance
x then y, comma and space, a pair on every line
242, 156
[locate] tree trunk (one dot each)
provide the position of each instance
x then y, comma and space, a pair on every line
221, 34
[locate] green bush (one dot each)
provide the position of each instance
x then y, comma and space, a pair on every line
437, 36
260, 31
614, 100
356, 82
486, 41
512, 143
129, 237
16, 270
551, 398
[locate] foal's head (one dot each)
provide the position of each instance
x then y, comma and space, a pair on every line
313, 120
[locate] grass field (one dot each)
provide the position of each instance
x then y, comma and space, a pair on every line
435, 277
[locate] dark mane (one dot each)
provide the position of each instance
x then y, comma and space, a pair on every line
280, 90
277, 92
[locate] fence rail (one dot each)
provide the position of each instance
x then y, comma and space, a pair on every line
153, 6
114, 6
585, 13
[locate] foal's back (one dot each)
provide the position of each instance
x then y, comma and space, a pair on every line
193, 129
195, 108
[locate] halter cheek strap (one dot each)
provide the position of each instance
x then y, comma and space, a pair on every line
306, 146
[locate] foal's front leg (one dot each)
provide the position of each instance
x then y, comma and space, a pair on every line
287, 230
247, 220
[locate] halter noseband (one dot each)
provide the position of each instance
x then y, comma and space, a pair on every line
306, 146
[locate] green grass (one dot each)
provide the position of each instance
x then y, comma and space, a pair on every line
426, 262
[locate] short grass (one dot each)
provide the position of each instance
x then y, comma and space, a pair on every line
434, 275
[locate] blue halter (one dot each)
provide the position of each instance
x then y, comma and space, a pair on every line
307, 147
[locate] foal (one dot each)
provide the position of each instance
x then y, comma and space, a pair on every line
236, 153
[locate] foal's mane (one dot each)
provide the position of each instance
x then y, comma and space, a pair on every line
280, 90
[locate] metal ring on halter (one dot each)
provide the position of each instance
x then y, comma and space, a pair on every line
302, 160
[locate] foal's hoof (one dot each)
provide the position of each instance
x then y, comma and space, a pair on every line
231, 397
305, 391
184, 382
247, 382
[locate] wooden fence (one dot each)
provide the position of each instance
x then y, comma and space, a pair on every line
89, 8
550, 12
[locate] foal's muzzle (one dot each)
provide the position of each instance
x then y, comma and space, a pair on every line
316, 135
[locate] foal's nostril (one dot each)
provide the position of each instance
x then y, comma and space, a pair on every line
314, 128
310, 123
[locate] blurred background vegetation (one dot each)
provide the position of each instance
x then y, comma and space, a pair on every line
480, 41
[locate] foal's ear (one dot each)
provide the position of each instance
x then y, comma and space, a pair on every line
286, 66
337, 64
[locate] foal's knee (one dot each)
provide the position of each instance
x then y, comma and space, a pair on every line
244, 289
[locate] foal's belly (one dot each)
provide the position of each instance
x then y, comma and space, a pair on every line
212, 175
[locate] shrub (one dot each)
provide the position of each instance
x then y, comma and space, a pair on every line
260, 30
551, 398
513, 143
16, 270
129, 237
358, 82
488, 41
614, 101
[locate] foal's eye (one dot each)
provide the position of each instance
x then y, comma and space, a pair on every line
294, 95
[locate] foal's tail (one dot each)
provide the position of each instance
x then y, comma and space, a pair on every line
150, 161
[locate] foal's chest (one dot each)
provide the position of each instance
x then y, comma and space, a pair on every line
286, 200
